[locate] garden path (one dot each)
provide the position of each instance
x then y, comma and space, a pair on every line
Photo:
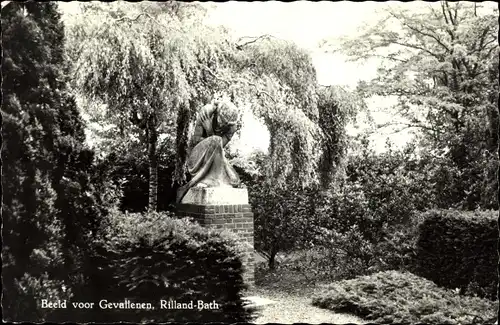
291, 298
290, 308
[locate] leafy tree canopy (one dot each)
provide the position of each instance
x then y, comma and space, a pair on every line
441, 62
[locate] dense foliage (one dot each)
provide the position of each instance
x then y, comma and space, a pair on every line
368, 222
371, 212
381, 191
395, 297
284, 220
458, 249
152, 256
130, 173
145, 81
51, 207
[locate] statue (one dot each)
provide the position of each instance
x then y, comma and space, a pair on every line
207, 164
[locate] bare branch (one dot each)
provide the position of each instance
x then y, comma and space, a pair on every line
261, 91
415, 29
129, 19
456, 11
476, 65
488, 43
405, 126
215, 76
133, 19
453, 22
388, 58
239, 79
416, 47
481, 42
255, 39
444, 12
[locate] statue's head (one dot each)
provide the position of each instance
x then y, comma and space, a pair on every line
227, 113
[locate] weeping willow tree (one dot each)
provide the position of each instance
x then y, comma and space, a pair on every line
336, 108
306, 121
279, 81
153, 68
143, 62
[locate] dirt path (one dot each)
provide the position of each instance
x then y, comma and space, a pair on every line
292, 308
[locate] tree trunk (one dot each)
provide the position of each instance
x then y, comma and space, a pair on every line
271, 260
153, 168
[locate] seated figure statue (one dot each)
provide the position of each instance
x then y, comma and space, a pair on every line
207, 164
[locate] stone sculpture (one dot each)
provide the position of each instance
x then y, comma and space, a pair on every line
207, 164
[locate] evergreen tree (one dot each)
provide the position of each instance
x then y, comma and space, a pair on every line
48, 201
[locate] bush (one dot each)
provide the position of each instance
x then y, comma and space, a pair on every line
458, 249
26, 296
381, 191
347, 253
284, 218
334, 256
395, 297
130, 172
50, 203
397, 250
151, 257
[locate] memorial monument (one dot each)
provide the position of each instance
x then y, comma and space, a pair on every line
215, 196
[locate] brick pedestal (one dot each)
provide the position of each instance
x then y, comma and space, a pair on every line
238, 218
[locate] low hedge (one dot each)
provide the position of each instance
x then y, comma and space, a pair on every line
402, 297
146, 258
458, 249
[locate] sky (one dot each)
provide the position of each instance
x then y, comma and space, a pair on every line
306, 24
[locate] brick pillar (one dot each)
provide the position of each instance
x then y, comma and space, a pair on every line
237, 218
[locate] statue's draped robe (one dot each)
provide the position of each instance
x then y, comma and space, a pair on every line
207, 163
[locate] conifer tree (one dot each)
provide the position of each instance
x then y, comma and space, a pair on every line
48, 199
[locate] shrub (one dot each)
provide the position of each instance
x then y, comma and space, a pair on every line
151, 257
284, 218
381, 191
396, 297
348, 253
397, 250
26, 297
458, 249
335, 255
130, 172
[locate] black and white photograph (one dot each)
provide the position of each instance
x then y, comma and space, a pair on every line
250, 162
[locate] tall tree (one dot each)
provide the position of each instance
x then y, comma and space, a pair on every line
441, 62
143, 63
48, 202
